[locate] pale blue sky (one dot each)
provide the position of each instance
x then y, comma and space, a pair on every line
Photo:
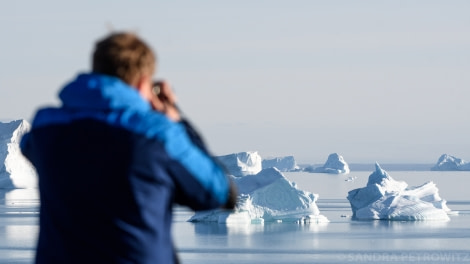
384, 81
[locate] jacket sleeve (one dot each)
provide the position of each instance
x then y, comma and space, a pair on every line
197, 140
194, 135
200, 181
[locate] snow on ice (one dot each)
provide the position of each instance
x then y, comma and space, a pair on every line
386, 199
267, 196
16, 170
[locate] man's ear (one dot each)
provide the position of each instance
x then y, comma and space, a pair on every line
141, 82
144, 86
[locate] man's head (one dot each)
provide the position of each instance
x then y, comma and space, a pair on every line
125, 56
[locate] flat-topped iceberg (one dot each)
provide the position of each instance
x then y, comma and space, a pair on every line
451, 163
335, 164
242, 163
386, 199
15, 170
283, 164
267, 196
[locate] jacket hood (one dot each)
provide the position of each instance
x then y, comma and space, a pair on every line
101, 92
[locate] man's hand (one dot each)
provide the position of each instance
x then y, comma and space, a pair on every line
164, 100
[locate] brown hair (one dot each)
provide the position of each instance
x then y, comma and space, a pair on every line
125, 56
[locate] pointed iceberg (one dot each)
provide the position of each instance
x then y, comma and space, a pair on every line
451, 163
387, 199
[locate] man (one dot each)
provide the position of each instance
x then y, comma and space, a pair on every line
113, 159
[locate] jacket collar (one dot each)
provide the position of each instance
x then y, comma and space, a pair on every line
101, 92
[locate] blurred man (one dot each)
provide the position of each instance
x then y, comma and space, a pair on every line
112, 161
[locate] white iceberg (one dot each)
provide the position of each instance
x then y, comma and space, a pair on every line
242, 164
283, 164
15, 171
451, 163
267, 196
335, 164
386, 199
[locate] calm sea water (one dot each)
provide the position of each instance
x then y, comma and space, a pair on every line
341, 241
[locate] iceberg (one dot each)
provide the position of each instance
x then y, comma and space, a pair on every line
451, 163
15, 171
335, 164
283, 164
387, 199
267, 197
241, 164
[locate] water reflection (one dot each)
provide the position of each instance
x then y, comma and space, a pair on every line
19, 201
202, 228
19, 211
19, 215
213, 236
398, 226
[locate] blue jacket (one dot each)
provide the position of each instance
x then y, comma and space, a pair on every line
110, 168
